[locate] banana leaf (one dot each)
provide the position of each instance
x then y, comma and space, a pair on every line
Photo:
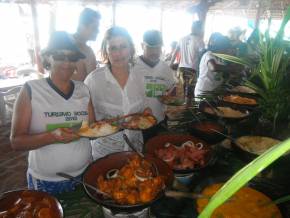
243, 176
242, 61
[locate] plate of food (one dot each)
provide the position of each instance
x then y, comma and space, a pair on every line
223, 111
133, 183
98, 129
183, 153
138, 121
239, 100
29, 203
172, 100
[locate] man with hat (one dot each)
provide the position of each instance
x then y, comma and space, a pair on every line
156, 76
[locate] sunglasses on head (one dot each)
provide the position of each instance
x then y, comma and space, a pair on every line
65, 57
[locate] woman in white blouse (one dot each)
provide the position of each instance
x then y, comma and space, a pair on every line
115, 90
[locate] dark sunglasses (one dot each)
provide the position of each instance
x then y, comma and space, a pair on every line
64, 57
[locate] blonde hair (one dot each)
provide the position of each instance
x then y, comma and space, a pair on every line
115, 32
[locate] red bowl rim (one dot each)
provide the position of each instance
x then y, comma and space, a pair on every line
18, 191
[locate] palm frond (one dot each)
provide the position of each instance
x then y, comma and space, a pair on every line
280, 34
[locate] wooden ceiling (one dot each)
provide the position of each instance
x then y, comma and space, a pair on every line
235, 7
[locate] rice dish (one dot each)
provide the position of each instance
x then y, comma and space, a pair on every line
256, 144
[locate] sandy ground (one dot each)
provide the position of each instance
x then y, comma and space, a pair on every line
13, 164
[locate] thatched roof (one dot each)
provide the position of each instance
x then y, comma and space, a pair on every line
235, 7
274, 8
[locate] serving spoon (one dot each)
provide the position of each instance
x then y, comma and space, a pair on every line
227, 136
216, 110
277, 201
191, 195
178, 194
132, 146
140, 154
67, 176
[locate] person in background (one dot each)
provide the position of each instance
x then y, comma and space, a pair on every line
156, 75
235, 35
211, 68
30, 48
169, 55
189, 47
87, 30
253, 45
116, 90
43, 113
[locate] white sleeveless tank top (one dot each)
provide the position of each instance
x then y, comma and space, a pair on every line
52, 109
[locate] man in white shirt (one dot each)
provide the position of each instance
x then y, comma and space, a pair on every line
212, 70
87, 30
190, 48
156, 75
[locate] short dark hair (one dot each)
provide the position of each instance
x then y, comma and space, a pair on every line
218, 42
153, 38
196, 27
87, 16
173, 44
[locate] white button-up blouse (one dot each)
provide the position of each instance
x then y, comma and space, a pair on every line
110, 100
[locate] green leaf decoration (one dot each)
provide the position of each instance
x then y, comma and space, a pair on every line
269, 72
243, 176
282, 200
242, 61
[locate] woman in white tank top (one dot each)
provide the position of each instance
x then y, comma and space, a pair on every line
44, 110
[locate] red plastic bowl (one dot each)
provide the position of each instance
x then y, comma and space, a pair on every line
117, 161
9, 198
158, 142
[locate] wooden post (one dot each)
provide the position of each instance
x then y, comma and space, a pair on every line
114, 12
52, 18
202, 12
161, 19
36, 36
258, 15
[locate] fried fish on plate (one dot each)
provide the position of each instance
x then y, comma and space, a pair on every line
98, 129
172, 100
139, 121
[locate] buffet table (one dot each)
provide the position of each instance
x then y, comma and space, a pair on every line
274, 180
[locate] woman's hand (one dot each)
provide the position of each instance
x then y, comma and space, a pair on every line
64, 135
171, 91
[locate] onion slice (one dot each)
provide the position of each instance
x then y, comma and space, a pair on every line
141, 178
169, 159
113, 173
167, 145
188, 143
199, 146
